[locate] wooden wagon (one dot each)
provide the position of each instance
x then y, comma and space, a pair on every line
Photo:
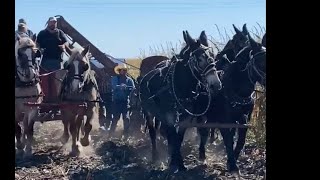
50, 107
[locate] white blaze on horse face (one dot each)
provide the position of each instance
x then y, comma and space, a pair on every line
29, 73
29, 53
76, 81
213, 80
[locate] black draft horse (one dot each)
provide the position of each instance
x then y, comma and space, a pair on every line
234, 102
169, 93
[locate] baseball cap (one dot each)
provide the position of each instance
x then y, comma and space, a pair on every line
22, 21
52, 19
21, 25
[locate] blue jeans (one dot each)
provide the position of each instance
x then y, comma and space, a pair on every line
118, 108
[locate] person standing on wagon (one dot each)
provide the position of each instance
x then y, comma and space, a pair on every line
53, 42
23, 29
122, 85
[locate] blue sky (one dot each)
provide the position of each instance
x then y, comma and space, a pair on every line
122, 28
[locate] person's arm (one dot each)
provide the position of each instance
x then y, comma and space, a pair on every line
130, 84
63, 38
30, 33
65, 45
40, 40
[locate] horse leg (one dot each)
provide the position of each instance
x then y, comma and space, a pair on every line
102, 115
160, 129
18, 133
174, 144
79, 124
65, 137
228, 142
85, 141
152, 133
75, 149
181, 133
204, 132
115, 119
240, 143
28, 125
126, 122
212, 137
242, 132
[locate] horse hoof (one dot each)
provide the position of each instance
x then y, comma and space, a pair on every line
20, 146
203, 162
233, 169
19, 153
175, 168
75, 152
236, 174
27, 153
64, 139
202, 157
84, 141
155, 159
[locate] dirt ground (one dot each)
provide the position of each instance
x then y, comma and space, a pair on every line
114, 159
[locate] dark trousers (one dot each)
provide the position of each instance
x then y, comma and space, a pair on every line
47, 82
118, 108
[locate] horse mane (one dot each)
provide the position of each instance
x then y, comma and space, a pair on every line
74, 54
89, 75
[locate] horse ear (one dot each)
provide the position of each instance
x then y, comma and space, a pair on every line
85, 51
245, 30
236, 29
184, 36
34, 37
264, 40
190, 40
203, 38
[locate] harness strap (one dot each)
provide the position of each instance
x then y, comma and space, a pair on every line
163, 89
33, 96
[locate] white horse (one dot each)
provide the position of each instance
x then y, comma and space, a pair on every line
27, 89
80, 87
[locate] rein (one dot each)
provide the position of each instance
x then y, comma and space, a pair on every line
178, 100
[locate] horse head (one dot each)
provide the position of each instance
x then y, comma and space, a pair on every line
258, 61
198, 56
26, 54
240, 39
78, 67
252, 60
